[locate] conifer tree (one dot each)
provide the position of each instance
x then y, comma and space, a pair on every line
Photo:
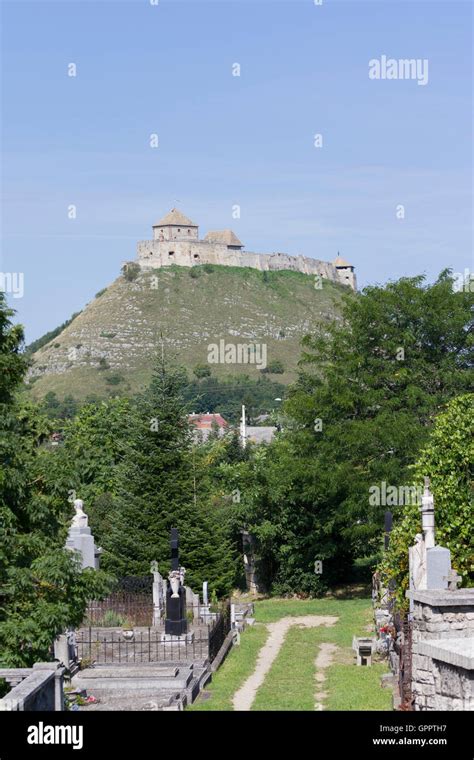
157, 487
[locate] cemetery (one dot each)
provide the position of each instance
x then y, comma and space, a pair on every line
155, 644
159, 666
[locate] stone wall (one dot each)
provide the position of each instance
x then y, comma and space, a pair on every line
153, 254
173, 232
443, 649
451, 664
39, 688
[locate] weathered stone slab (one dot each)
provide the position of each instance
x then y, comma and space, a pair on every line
461, 597
458, 652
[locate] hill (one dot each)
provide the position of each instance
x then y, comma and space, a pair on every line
108, 348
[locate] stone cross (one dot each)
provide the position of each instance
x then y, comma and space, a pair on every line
453, 579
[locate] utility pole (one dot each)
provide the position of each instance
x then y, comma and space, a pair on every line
243, 430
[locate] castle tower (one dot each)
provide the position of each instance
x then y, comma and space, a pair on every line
175, 226
345, 272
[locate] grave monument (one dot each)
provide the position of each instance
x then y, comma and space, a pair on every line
430, 565
80, 538
175, 622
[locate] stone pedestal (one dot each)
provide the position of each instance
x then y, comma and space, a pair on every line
82, 540
176, 623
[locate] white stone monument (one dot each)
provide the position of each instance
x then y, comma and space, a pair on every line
430, 565
159, 596
80, 538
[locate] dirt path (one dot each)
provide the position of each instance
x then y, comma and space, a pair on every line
244, 697
323, 661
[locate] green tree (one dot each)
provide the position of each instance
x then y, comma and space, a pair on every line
42, 590
84, 465
448, 460
158, 488
363, 406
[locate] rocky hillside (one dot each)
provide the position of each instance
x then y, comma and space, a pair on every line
110, 345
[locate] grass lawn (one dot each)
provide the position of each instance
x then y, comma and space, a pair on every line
352, 688
236, 668
290, 684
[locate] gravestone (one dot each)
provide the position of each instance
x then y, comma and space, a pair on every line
388, 521
438, 567
205, 610
175, 623
159, 595
65, 650
80, 538
192, 602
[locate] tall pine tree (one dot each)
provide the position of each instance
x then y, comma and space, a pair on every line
158, 488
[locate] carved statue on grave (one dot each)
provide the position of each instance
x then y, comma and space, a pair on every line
80, 538
174, 583
176, 578
417, 556
80, 519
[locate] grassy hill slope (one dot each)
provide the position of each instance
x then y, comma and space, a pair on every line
109, 347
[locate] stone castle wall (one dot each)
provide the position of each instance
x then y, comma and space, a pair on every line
153, 254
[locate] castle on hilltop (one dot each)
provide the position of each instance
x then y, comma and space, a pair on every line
176, 241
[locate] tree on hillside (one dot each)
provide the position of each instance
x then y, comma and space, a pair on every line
42, 590
156, 491
368, 391
448, 460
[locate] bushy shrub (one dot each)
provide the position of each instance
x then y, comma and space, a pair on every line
202, 370
130, 270
103, 364
114, 379
275, 367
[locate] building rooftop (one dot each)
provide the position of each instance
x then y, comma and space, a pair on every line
227, 237
340, 262
175, 217
205, 421
261, 434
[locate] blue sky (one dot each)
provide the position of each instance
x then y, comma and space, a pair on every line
225, 140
